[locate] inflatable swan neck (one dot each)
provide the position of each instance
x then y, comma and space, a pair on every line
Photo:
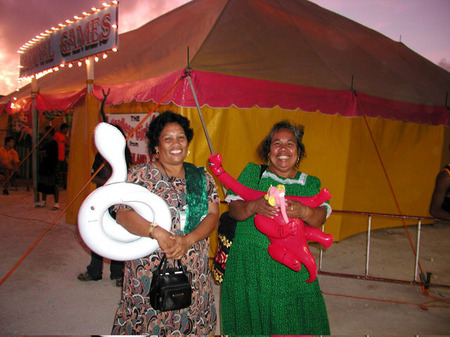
111, 145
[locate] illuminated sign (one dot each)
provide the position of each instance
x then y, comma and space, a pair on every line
91, 34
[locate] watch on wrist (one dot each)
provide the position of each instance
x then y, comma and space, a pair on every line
150, 230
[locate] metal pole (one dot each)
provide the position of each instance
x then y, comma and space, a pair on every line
369, 227
200, 113
416, 265
188, 75
90, 74
321, 253
35, 135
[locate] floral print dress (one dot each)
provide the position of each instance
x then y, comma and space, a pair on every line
135, 315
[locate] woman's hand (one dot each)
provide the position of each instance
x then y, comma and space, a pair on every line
295, 209
176, 246
163, 237
242, 210
180, 246
262, 206
314, 217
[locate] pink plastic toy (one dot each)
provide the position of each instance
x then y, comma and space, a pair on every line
288, 237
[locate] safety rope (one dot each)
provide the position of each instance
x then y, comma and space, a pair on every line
424, 290
386, 175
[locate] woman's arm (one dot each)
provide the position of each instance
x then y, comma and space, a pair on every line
241, 210
202, 231
136, 224
440, 190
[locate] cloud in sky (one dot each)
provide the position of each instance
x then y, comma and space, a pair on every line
420, 25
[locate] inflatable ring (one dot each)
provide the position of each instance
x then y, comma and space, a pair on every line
101, 233
104, 236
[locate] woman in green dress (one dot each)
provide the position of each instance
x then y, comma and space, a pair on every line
259, 295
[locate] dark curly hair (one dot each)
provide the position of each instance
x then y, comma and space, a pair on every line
298, 130
160, 122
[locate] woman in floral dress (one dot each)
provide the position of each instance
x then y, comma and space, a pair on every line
193, 201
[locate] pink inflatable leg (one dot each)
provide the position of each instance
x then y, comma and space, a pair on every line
282, 255
308, 260
316, 235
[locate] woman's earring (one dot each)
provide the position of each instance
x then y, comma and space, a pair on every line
188, 153
298, 160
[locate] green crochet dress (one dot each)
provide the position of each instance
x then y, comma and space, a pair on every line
259, 295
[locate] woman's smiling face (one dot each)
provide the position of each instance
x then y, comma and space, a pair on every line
173, 144
283, 153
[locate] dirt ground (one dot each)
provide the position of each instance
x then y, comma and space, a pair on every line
42, 296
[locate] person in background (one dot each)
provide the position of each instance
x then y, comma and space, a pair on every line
259, 295
48, 161
9, 162
63, 145
191, 196
95, 268
440, 200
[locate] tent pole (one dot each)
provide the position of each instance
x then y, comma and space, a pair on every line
35, 135
200, 113
188, 75
90, 74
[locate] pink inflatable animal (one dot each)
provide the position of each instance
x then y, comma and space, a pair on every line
288, 237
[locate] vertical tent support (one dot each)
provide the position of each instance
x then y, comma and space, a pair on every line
35, 133
90, 75
369, 229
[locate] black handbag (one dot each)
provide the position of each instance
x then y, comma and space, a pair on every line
171, 287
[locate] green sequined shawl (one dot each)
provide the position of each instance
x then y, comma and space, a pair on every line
197, 196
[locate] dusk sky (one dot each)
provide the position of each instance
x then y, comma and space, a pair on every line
422, 25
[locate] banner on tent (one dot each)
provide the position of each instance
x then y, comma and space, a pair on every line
92, 34
137, 143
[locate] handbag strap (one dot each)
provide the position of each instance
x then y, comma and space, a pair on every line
163, 264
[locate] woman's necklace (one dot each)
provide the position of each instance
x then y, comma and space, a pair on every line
165, 171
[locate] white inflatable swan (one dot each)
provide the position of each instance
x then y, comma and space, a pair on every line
101, 233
